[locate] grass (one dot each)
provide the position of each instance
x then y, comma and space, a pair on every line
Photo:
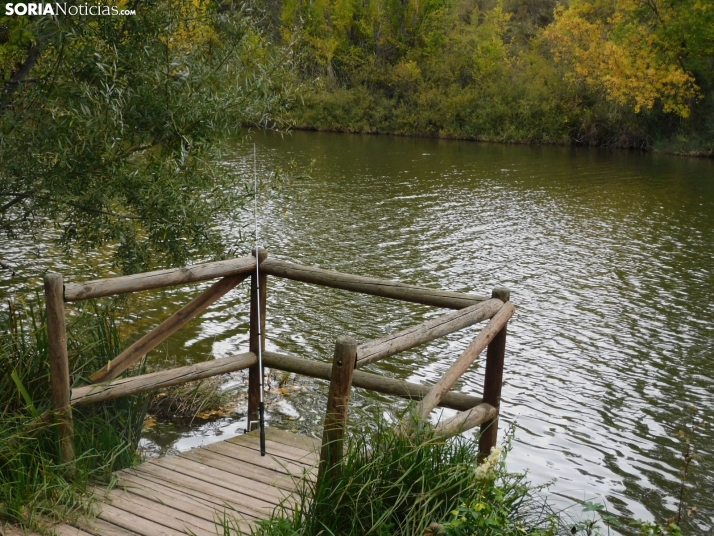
392, 484
34, 484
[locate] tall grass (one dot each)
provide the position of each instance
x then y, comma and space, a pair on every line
33, 482
392, 484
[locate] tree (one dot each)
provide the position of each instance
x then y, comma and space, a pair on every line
641, 53
111, 127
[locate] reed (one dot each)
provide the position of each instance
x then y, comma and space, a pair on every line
34, 484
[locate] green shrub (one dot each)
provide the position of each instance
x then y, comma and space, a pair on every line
392, 484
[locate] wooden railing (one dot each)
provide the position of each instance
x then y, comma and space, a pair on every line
470, 309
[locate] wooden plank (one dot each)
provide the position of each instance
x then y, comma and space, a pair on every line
430, 330
168, 327
67, 530
234, 479
99, 527
253, 457
369, 381
466, 420
461, 365
278, 449
338, 401
370, 285
159, 485
59, 366
248, 507
195, 490
163, 378
134, 523
309, 444
182, 513
158, 279
159, 513
254, 472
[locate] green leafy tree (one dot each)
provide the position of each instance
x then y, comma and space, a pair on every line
111, 127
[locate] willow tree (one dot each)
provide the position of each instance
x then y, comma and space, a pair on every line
111, 127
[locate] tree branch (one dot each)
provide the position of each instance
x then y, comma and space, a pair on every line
20, 196
18, 78
13, 202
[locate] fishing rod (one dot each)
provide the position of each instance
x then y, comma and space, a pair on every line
261, 407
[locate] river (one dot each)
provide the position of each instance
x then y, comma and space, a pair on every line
609, 256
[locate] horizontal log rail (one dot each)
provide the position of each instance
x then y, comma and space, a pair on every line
158, 380
430, 330
366, 380
370, 285
99, 288
167, 328
470, 309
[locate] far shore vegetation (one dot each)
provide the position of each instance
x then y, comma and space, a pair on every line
628, 73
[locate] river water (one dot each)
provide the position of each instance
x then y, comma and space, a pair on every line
610, 260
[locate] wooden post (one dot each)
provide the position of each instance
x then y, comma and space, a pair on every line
495, 355
338, 398
59, 364
255, 375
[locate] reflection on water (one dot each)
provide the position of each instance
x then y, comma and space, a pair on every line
609, 259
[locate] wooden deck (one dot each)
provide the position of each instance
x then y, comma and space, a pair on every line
188, 493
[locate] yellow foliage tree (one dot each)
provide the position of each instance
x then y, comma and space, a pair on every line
624, 47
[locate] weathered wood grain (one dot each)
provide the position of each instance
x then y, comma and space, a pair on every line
162, 278
59, 366
252, 457
182, 494
163, 378
461, 365
160, 512
217, 489
309, 444
370, 285
228, 464
338, 400
275, 448
466, 420
493, 380
430, 330
99, 527
369, 381
145, 526
207, 506
167, 328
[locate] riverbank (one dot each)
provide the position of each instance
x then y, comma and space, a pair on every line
697, 153
356, 111
507, 71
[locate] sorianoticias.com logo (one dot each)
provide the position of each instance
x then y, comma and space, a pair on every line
64, 8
